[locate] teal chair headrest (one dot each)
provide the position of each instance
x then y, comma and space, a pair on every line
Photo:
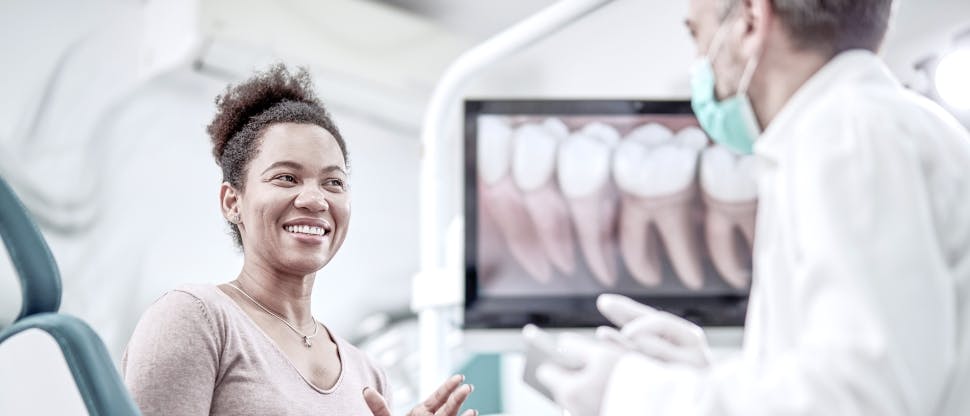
39, 280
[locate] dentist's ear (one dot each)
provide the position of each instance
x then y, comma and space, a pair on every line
758, 17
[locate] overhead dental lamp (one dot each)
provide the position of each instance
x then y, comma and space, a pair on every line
951, 79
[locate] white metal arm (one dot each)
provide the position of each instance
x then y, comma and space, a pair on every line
428, 281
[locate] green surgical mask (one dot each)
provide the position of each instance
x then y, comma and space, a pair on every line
730, 122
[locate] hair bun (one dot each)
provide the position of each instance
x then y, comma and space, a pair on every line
241, 102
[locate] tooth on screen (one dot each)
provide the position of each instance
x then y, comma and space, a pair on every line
655, 171
584, 176
534, 168
731, 197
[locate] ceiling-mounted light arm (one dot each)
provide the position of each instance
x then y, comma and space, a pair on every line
428, 284
463, 69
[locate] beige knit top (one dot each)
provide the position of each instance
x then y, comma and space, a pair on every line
195, 352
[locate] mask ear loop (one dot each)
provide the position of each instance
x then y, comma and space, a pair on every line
718, 39
716, 42
749, 69
748, 73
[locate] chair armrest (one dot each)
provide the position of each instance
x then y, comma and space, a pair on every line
94, 373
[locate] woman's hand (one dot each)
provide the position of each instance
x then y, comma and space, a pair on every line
446, 401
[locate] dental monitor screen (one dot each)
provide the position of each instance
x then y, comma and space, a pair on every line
567, 199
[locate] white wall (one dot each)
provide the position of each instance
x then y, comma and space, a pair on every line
114, 163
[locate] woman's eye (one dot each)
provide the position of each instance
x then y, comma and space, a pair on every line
286, 178
335, 182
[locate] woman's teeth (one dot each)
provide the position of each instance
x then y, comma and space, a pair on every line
306, 229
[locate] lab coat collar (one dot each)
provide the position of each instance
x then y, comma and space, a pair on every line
851, 67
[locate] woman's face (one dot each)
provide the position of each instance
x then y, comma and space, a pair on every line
295, 209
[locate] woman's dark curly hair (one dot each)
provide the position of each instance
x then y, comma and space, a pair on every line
245, 110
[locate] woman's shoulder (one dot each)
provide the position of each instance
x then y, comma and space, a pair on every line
190, 301
177, 338
207, 294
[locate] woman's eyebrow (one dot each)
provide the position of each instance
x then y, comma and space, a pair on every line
284, 163
333, 168
296, 166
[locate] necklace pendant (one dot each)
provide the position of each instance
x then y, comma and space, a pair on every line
306, 341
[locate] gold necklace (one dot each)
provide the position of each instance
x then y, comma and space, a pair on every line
306, 338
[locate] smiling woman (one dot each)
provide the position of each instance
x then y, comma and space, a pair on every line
252, 345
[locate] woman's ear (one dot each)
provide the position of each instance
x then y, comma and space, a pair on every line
229, 202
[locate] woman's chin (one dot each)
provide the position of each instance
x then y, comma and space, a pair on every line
308, 264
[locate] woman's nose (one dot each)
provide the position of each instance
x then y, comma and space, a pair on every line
313, 200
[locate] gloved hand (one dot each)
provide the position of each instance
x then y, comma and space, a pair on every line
657, 334
579, 388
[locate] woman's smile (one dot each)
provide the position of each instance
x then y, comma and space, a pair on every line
308, 230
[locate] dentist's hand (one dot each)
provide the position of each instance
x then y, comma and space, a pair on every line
579, 388
657, 334
446, 401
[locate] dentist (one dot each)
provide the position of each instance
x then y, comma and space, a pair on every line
860, 303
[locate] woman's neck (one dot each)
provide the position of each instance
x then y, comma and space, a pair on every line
286, 295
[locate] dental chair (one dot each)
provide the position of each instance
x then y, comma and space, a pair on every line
50, 363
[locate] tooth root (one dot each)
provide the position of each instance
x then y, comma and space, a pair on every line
491, 259
681, 240
670, 215
639, 247
731, 259
550, 214
594, 218
515, 224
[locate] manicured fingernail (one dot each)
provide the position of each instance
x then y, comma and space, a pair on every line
364, 390
471, 388
462, 377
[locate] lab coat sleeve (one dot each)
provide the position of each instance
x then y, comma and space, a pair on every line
873, 303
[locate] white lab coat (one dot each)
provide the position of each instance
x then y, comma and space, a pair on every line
860, 302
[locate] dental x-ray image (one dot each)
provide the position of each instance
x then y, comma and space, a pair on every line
569, 199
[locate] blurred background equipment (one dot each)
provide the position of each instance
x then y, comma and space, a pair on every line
944, 75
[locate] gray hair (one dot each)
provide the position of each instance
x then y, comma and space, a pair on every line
829, 26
